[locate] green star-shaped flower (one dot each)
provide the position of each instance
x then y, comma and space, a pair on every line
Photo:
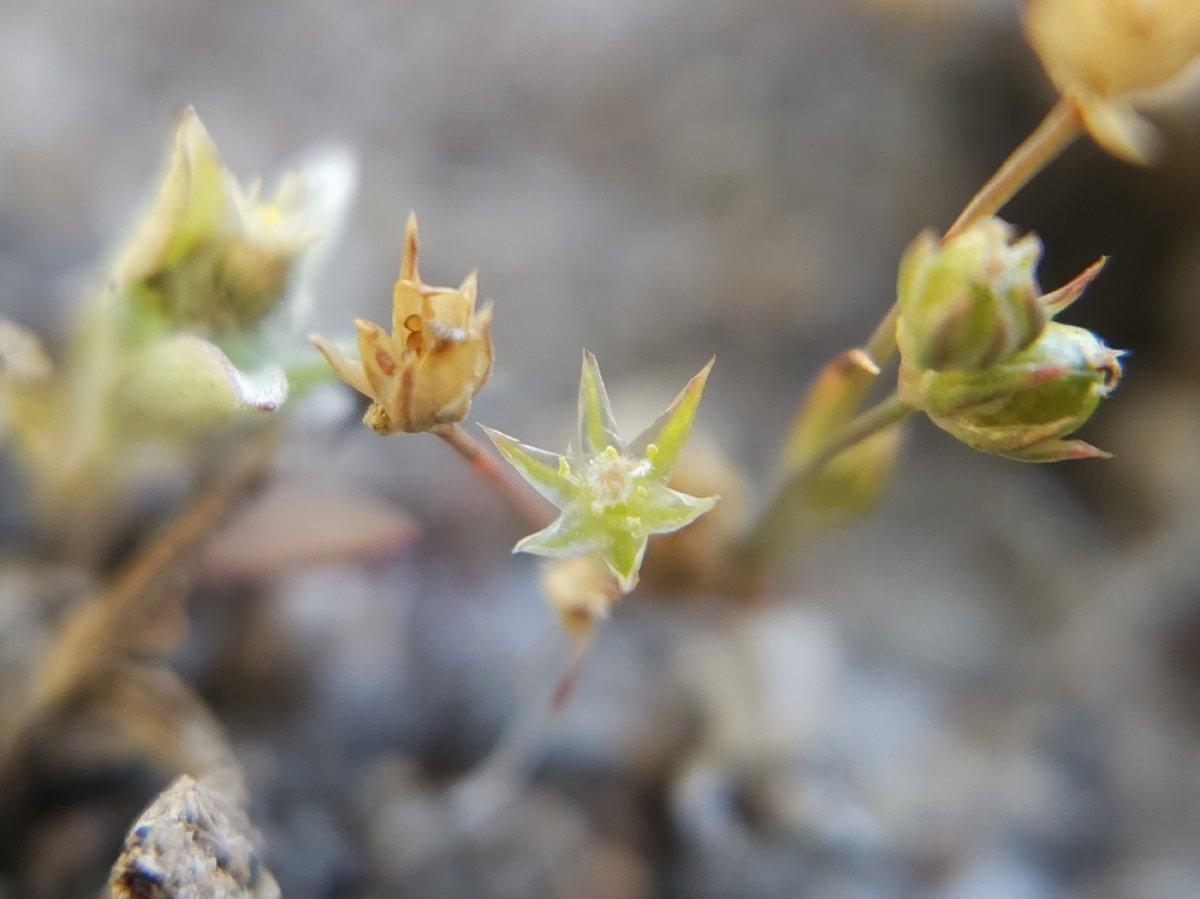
613, 495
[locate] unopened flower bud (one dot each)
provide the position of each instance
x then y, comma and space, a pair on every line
1104, 53
1023, 408
428, 369
969, 303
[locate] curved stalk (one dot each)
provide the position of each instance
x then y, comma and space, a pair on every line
514, 492
768, 535
1055, 133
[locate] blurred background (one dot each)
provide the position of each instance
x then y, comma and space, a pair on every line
989, 688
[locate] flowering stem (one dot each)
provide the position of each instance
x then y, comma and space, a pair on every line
1055, 133
769, 532
513, 492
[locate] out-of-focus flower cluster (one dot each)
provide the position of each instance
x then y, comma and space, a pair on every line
1105, 55
193, 328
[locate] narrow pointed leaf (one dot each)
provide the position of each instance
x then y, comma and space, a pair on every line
597, 429
670, 431
539, 467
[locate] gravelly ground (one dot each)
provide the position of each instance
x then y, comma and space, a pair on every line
989, 689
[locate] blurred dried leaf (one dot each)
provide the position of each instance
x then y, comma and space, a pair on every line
139, 615
141, 611
291, 526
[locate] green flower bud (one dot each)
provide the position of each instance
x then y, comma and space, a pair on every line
182, 385
1023, 408
969, 303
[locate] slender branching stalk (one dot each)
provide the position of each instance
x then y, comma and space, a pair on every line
511, 490
1055, 133
768, 535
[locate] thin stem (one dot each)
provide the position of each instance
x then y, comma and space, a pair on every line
566, 685
1053, 135
768, 532
1056, 132
160, 573
523, 501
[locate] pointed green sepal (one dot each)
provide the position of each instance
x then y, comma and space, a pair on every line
665, 510
546, 472
597, 429
623, 556
565, 536
1060, 451
663, 441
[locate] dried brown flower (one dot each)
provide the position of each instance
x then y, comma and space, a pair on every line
427, 370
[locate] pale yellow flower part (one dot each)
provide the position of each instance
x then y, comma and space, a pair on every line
580, 589
193, 201
1105, 55
220, 255
428, 369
